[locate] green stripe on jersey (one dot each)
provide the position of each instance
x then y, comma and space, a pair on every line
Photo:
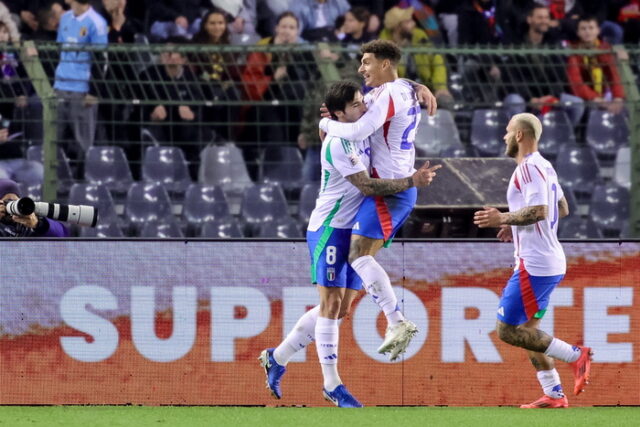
323, 239
328, 154
327, 175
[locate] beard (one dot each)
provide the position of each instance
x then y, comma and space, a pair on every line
512, 148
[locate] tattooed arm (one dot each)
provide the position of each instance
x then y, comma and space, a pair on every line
563, 207
384, 187
493, 218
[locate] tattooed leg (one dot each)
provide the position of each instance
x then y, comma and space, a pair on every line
540, 361
529, 338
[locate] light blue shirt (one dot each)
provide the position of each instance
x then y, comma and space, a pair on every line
307, 12
74, 70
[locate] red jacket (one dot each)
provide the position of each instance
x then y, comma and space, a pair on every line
580, 75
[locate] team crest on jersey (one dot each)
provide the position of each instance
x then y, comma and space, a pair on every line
83, 31
331, 274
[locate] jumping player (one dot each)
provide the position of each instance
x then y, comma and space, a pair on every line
392, 117
345, 179
536, 203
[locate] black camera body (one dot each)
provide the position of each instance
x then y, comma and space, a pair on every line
74, 214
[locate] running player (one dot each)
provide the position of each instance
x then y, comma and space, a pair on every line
391, 120
345, 179
536, 203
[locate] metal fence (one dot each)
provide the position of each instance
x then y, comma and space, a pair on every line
257, 97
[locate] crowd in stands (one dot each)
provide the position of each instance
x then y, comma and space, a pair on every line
533, 83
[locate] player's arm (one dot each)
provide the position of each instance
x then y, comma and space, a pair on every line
563, 207
493, 218
425, 97
384, 187
366, 125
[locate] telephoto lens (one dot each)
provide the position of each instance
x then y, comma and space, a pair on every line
21, 207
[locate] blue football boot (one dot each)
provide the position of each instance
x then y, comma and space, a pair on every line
341, 397
273, 371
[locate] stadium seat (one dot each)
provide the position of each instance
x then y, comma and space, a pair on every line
606, 133
97, 196
223, 228
102, 229
203, 204
575, 227
459, 151
436, 133
487, 131
65, 176
262, 203
108, 166
167, 166
146, 202
556, 130
578, 169
308, 197
622, 167
162, 229
609, 208
224, 165
283, 228
625, 232
282, 165
32, 191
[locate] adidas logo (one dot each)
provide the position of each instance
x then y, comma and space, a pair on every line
501, 311
332, 357
356, 226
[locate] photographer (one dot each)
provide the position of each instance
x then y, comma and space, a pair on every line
28, 225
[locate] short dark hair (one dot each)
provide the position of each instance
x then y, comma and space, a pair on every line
287, 14
588, 18
535, 7
383, 49
361, 14
339, 95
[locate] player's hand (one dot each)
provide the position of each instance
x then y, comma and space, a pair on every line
505, 234
324, 112
423, 176
487, 218
426, 98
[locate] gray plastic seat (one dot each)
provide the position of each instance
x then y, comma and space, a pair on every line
282, 228
225, 166
262, 203
203, 204
166, 166
308, 196
622, 167
223, 228
162, 229
146, 202
436, 133
104, 229
63, 169
606, 132
609, 208
578, 169
574, 227
32, 191
556, 131
487, 131
283, 165
108, 166
97, 196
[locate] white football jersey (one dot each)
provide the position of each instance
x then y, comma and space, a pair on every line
535, 183
392, 117
339, 200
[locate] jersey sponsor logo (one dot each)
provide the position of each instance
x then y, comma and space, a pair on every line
331, 274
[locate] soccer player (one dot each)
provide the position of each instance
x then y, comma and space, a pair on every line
536, 203
392, 117
345, 179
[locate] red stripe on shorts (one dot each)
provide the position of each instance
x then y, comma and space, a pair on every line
384, 217
528, 296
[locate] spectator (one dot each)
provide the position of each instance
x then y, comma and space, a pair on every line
610, 31
25, 226
425, 16
538, 80
564, 16
243, 13
14, 101
122, 28
219, 71
317, 17
627, 14
277, 77
428, 69
48, 18
355, 26
170, 81
447, 12
76, 92
171, 18
595, 77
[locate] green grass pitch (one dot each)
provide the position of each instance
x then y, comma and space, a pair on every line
135, 416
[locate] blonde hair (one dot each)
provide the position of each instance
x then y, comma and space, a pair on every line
7, 20
530, 123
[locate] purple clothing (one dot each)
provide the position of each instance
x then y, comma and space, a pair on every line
46, 228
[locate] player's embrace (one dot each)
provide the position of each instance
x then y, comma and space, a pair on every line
536, 204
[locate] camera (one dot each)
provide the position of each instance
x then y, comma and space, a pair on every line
74, 214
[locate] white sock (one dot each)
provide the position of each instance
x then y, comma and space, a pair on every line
560, 350
327, 335
550, 382
377, 283
298, 338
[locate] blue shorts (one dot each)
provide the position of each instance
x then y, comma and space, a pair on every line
525, 297
381, 217
329, 251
